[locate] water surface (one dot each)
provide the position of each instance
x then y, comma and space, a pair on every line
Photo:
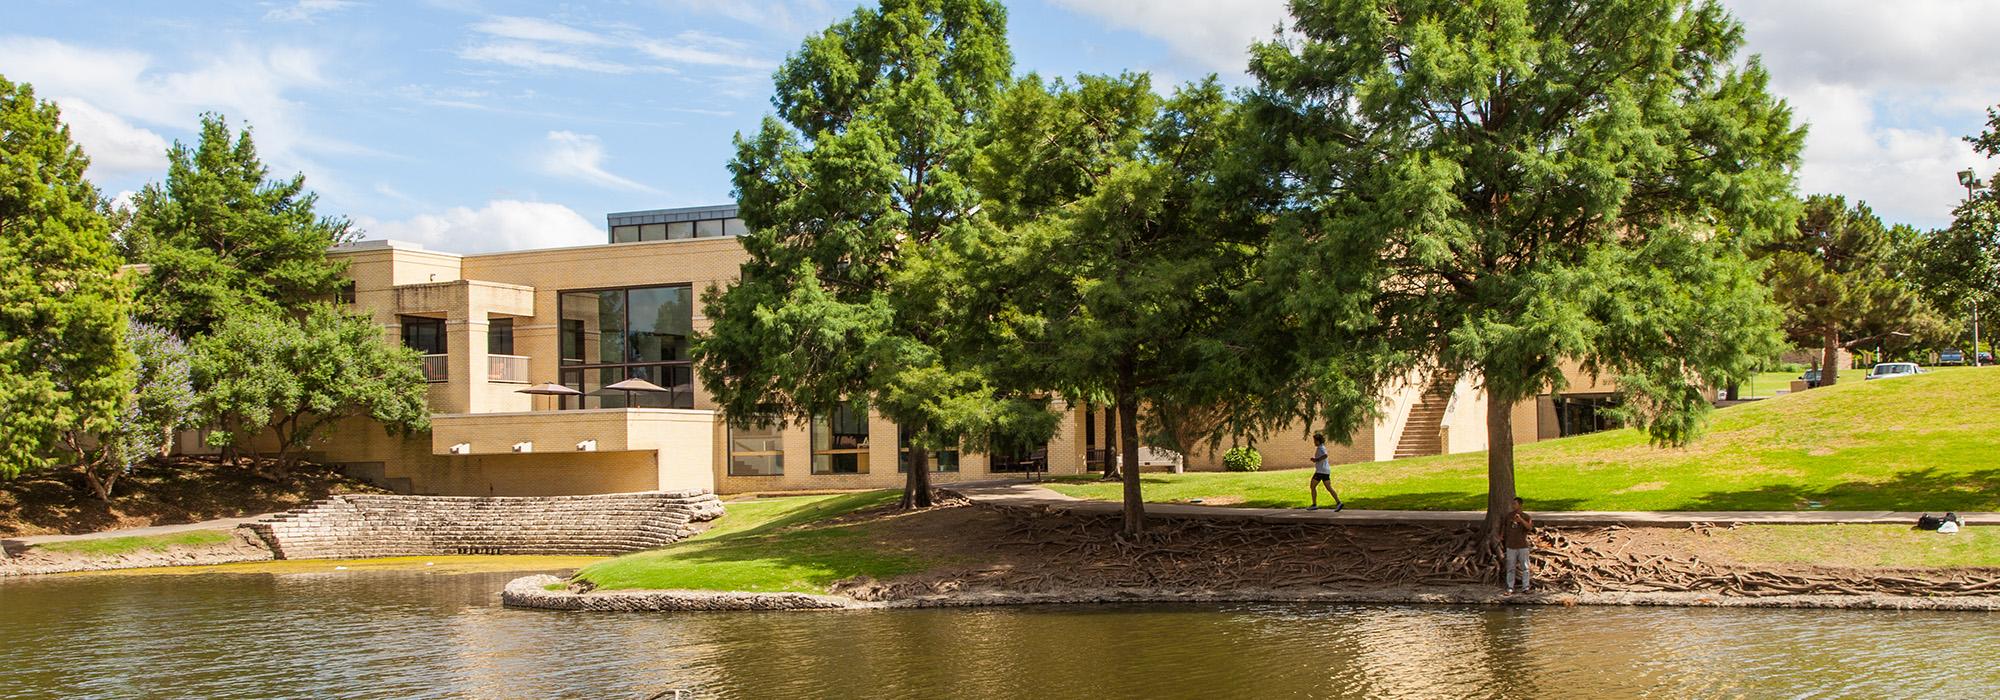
375, 634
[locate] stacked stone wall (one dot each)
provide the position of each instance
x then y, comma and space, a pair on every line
361, 526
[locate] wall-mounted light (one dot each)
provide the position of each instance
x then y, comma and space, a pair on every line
587, 446
463, 448
524, 447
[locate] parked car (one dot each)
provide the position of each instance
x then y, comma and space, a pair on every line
1887, 370
1811, 378
1985, 358
1951, 356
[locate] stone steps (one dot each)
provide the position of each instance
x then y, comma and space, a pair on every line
374, 525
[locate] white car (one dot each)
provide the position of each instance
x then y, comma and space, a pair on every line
1894, 369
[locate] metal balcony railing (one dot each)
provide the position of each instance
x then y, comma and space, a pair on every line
436, 368
511, 369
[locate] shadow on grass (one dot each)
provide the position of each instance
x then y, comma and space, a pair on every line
160, 492
1920, 490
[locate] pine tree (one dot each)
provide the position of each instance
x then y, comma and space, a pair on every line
63, 362
1835, 276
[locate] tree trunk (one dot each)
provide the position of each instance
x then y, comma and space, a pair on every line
1112, 442
1128, 451
1499, 462
100, 486
1829, 361
917, 480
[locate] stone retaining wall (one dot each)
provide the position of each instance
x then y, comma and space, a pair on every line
360, 526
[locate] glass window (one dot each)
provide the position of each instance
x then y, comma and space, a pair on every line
679, 230
612, 335
662, 323
840, 441
653, 232
424, 335
345, 294
941, 460
758, 450
624, 234
708, 228
500, 336
733, 227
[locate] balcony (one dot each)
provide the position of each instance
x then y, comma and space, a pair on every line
437, 368
508, 369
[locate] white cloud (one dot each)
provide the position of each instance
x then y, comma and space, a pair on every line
246, 84
703, 49
114, 145
306, 10
527, 55
785, 17
1214, 35
532, 29
581, 157
503, 224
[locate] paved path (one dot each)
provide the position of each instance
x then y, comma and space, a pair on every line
218, 524
1034, 495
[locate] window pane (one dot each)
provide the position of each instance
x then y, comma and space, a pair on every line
733, 227
708, 228
840, 442
662, 322
424, 335
756, 451
679, 230
610, 326
940, 460
500, 336
602, 397
624, 234
677, 379
653, 232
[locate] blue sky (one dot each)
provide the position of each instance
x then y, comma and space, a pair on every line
472, 126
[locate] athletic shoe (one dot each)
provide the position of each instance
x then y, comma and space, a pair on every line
1337, 507
1312, 507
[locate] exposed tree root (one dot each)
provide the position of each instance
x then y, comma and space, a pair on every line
1052, 552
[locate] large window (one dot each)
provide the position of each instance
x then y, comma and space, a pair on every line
610, 335
500, 336
757, 450
840, 441
424, 335
1582, 414
677, 230
941, 460
1100, 438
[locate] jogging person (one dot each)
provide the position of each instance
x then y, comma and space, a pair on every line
1322, 474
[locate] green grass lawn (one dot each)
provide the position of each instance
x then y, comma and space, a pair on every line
1923, 443
1766, 384
114, 546
766, 545
1861, 545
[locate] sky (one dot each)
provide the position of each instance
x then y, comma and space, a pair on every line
473, 126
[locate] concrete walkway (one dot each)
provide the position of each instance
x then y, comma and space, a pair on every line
1035, 496
218, 524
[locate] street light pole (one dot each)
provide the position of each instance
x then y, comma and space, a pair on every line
1971, 181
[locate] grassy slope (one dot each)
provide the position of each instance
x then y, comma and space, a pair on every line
1861, 545
765, 545
1923, 443
114, 546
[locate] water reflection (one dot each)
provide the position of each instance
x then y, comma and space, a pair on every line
415, 635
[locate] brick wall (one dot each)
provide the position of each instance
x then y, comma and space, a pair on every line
361, 526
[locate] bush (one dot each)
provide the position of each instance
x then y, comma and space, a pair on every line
1242, 459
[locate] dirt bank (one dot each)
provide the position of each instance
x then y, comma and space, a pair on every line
986, 554
162, 492
241, 546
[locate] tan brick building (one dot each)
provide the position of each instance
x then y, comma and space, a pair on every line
587, 317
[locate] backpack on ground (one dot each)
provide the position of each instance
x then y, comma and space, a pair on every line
1929, 522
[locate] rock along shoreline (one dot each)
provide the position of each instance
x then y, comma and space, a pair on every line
533, 592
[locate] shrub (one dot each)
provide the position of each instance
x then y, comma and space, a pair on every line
1242, 459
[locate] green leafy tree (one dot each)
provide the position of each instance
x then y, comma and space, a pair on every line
1962, 261
1836, 274
300, 377
1112, 282
1503, 186
864, 162
63, 361
219, 236
160, 406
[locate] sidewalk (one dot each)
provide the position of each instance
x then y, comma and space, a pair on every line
1035, 496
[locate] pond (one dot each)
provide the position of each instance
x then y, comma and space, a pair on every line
376, 634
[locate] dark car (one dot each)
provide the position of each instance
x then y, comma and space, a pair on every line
1811, 378
1985, 358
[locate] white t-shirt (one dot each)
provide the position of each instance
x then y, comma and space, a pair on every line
1319, 461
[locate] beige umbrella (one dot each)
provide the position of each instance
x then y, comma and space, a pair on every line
549, 389
635, 384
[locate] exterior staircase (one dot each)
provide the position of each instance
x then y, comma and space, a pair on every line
1420, 433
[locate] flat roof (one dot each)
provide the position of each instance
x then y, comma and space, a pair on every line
661, 216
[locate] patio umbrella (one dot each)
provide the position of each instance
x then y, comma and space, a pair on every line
635, 384
549, 389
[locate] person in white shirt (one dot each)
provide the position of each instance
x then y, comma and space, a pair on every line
1322, 474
